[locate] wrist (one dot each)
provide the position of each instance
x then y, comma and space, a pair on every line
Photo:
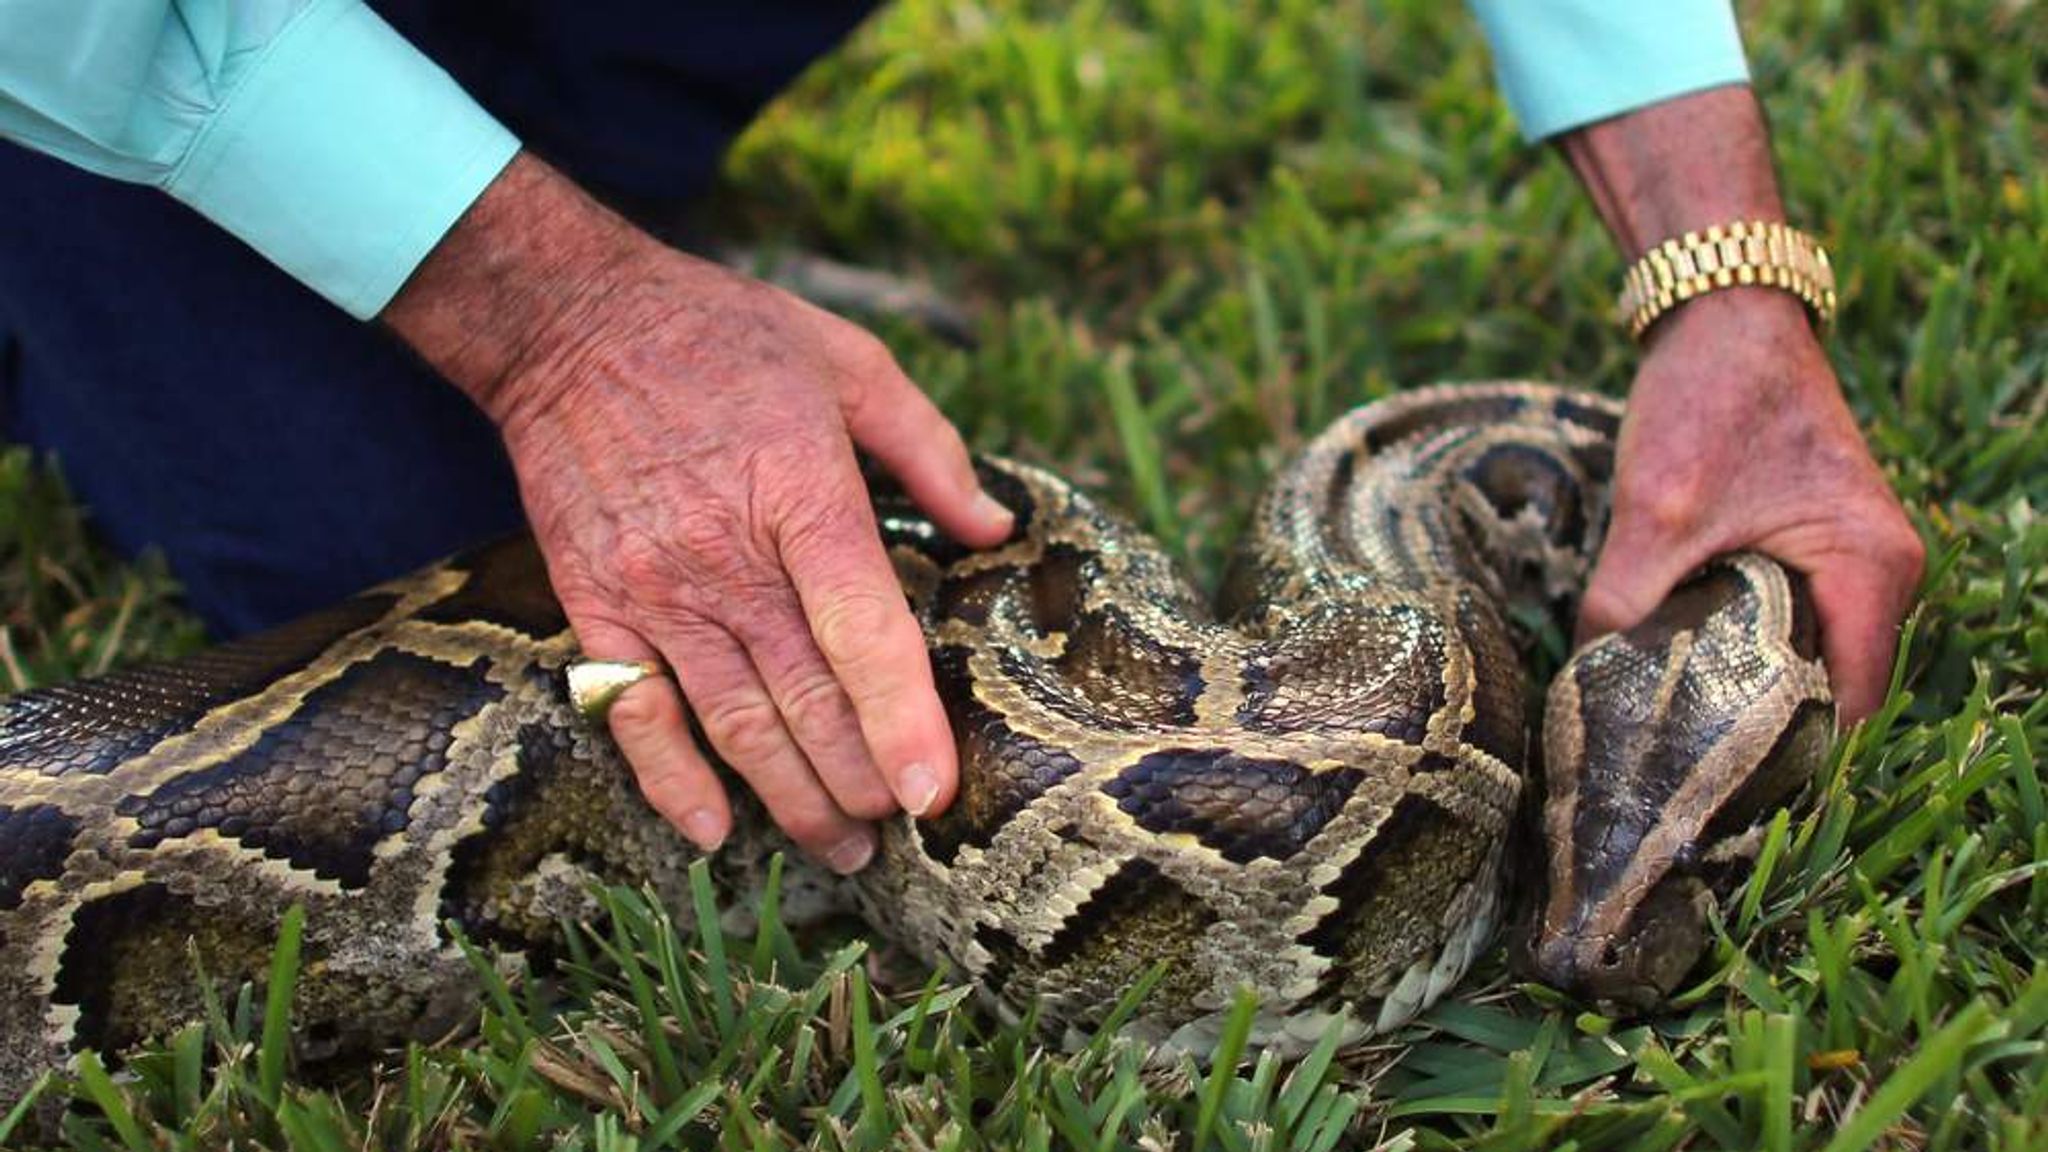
520, 272
1687, 190
1745, 314
1678, 166
1744, 349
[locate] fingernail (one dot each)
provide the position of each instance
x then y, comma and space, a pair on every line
852, 855
991, 511
704, 829
920, 787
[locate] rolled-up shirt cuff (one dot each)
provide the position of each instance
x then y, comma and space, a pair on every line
1567, 63
343, 156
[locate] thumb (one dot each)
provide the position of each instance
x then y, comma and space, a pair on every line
1633, 575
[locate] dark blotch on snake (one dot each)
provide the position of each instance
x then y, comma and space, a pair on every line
971, 599
1378, 922
93, 726
1450, 412
1134, 887
35, 840
1603, 422
1805, 637
1518, 478
1375, 669
1119, 668
552, 805
1780, 776
1001, 771
359, 743
126, 962
1242, 808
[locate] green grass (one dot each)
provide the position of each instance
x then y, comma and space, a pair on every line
1196, 230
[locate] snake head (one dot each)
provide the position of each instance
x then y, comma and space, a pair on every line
1668, 749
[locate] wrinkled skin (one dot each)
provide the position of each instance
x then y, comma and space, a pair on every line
684, 440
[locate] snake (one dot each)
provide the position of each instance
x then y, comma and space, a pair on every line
1327, 784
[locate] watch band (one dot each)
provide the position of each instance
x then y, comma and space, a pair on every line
1745, 252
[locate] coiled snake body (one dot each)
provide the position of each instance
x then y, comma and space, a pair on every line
1309, 791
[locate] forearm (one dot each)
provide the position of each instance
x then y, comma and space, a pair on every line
1683, 164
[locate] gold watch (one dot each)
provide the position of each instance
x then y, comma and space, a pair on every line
1745, 252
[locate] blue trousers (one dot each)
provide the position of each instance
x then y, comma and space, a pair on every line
281, 454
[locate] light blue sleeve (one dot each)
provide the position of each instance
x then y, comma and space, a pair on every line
308, 128
1564, 63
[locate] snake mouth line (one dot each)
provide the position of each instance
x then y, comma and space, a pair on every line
1625, 974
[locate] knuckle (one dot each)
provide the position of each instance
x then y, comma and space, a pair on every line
853, 625
1908, 552
868, 357
816, 530
746, 731
771, 470
642, 562
1877, 535
813, 703
706, 533
1671, 508
584, 598
873, 385
1602, 607
671, 793
699, 570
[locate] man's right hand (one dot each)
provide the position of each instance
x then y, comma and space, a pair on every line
684, 440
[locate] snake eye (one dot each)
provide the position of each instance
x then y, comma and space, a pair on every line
1686, 859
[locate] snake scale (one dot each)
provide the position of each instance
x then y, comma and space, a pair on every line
1310, 789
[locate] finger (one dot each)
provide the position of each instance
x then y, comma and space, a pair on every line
648, 723
743, 724
1859, 610
895, 421
877, 652
815, 709
1631, 578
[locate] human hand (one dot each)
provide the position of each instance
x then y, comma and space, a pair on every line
684, 440
1737, 436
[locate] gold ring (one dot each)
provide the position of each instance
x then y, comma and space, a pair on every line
595, 684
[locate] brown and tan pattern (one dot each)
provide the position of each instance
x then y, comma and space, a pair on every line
1310, 793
